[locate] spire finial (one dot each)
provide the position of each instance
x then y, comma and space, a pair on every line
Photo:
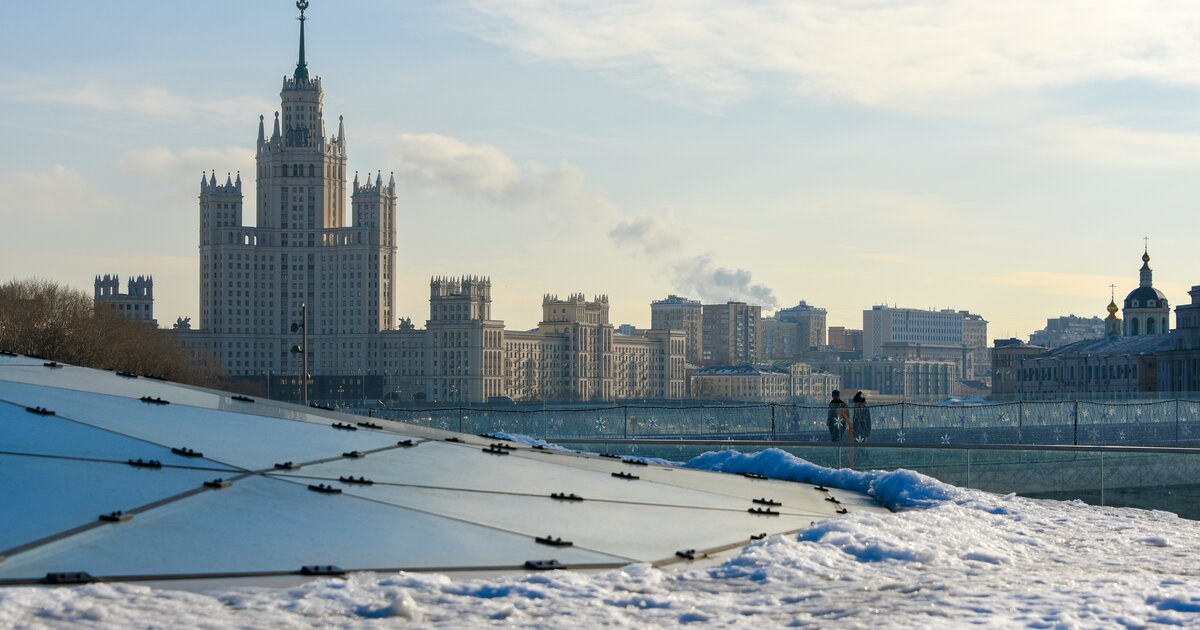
301, 73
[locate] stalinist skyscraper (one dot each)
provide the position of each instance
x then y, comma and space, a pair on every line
306, 263
303, 250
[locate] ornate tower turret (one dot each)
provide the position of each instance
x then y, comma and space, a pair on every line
301, 173
1146, 309
1112, 323
220, 206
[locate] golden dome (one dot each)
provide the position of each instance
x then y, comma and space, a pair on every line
1113, 308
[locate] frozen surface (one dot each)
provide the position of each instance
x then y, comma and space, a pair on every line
950, 557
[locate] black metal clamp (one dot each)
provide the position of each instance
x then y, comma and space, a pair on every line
116, 517
543, 565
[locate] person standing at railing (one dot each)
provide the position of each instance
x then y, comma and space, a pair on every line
862, 417
838, 417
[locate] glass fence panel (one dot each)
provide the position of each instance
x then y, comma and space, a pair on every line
1128, 423
1166, 422
1148, 480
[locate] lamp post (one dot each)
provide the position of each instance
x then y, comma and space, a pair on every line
302, 349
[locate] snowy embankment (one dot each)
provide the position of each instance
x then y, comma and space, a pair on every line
948, 557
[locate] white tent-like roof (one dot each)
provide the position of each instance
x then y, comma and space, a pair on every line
119, 477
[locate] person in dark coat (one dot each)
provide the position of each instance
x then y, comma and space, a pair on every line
838, 417
862, 417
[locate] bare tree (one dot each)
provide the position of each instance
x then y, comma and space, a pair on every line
46, 319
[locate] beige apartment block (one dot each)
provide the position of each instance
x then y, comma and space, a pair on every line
679, 313
731, 333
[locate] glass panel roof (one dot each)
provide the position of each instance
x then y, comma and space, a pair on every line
6, 361
113, 384
787, 492
262, 524
24, 432
644, 532
239, 439
43, 496
436, 505
465, 466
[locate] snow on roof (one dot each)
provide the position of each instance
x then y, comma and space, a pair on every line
115, 476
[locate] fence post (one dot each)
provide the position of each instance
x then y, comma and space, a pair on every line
1075, 422
625, 411
1176, 422
903, 405
1020, 421
774, 436
461, 419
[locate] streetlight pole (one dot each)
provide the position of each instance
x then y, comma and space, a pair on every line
302, 350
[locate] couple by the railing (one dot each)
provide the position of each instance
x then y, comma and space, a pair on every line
854, 426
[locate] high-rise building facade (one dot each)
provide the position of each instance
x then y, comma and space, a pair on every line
308, 270
304, 249
792, 331
731, 333
680, 313
888, 330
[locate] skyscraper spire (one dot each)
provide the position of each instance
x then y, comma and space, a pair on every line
301, 73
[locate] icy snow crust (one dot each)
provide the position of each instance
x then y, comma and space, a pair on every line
948, 557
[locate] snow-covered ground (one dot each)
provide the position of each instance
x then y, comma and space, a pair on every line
947, 557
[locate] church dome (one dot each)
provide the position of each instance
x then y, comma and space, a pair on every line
1146, 297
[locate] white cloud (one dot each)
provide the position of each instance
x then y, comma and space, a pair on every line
1101, 142
163, 163
130, 99
698, 277
57, 191
903, 54
436, 162
650, 234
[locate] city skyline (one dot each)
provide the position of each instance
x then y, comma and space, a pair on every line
669, 171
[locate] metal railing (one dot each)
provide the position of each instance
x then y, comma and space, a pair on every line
1155, 423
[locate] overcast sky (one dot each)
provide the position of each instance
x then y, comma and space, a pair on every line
1002, 157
